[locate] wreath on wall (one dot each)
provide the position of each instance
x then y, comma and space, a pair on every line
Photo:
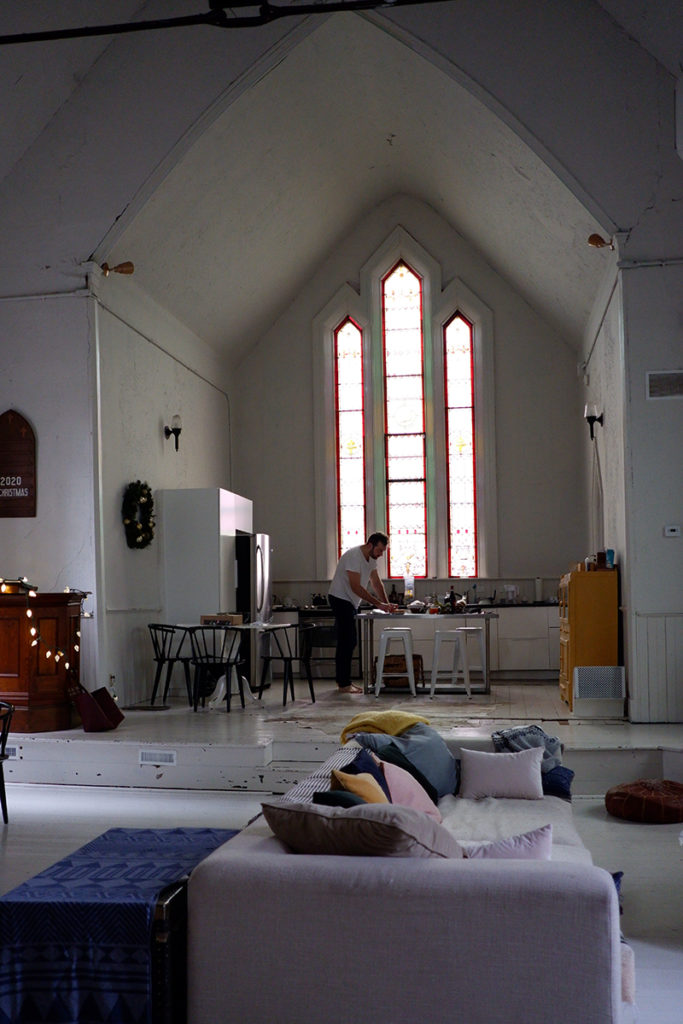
137, 513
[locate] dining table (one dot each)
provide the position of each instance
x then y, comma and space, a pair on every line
421, 623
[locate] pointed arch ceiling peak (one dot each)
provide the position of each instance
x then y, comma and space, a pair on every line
348, 117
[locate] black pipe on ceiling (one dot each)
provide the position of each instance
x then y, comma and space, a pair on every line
216, 17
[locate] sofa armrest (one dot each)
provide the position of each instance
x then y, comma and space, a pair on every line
276, 936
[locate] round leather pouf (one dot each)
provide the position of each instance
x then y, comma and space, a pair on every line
654, 801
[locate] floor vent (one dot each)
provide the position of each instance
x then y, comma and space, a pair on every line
11, 752
665, 384
158, 757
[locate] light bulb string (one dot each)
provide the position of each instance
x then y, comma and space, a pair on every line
36, 638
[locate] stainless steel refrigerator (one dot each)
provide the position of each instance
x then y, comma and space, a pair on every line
254, 594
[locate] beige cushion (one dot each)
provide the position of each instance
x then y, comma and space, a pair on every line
362, 785
375, 830
517, 775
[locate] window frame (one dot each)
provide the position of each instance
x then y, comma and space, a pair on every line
439, 305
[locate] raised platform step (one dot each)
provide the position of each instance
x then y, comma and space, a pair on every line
270, 767
267, 748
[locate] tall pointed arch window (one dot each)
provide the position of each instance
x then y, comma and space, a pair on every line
404, 418
405, 395
348, 362
460, 465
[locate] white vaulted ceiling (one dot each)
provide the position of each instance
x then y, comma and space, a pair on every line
350, 117
226, 223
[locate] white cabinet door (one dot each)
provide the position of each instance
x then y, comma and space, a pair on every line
524, 638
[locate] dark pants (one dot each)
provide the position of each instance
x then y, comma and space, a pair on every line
345, 621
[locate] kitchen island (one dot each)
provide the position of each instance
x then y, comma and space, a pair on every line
423, 627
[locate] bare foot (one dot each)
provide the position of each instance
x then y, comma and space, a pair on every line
349, 689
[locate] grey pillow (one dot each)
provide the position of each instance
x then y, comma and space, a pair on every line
369, 830
424, 748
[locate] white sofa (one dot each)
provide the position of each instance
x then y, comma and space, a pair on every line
275, 936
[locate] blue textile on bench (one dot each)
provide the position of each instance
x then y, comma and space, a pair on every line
76, 937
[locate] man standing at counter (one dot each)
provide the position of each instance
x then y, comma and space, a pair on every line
355, 573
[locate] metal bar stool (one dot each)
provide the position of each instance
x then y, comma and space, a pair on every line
403, 635
480, 633
459, 640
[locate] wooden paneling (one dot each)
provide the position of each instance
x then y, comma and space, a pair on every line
36, 684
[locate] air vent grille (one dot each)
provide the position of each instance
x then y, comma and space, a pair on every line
11, 752
158, 757
599, 681
665, 384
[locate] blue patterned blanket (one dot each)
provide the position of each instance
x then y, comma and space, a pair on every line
76, 937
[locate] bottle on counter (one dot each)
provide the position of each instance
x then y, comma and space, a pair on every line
452, 600
393, 596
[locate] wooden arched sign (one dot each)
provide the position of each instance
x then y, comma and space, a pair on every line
17, 466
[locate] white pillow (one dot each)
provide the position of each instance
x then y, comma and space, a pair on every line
517, 776
535, 845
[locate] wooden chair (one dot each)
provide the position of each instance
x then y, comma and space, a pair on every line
291, 643
167, 642
215, 653
6, 712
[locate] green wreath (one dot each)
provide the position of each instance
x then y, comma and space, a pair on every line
137, 513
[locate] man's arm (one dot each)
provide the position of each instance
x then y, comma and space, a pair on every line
360, 591
378, 586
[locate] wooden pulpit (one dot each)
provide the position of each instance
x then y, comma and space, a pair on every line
36, 684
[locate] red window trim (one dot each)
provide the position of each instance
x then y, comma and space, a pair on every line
459, 316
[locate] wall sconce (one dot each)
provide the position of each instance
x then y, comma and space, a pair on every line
590, 414
175, 428
598, 242
120, 268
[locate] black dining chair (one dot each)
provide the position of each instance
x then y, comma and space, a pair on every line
168, 642
6, 712
215, 653
290, 643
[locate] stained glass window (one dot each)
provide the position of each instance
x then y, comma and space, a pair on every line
459, 383
348, 356
404, 422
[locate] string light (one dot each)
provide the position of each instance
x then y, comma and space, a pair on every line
21, 585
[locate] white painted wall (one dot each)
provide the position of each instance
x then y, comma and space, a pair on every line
144, 379
541, 502
45, 374
654, 495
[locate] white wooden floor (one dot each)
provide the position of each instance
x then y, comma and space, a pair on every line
49, 821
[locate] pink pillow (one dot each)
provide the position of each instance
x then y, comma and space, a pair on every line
407, 791
515, 776
535, 845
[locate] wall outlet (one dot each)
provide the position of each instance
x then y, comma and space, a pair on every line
672, 531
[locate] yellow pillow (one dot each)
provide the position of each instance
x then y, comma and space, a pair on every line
362, 785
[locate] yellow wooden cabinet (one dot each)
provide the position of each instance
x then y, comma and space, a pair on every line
589, 624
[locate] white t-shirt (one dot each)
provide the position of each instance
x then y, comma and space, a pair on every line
352, 560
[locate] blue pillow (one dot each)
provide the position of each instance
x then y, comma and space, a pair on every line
337, 798
558, 782
423, 747
362, 763
392, 754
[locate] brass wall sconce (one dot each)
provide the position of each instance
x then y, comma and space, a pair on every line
174, 429
121, 268
598, 242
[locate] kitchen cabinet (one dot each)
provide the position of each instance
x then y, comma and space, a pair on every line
589, 624
528, 638
198, 542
